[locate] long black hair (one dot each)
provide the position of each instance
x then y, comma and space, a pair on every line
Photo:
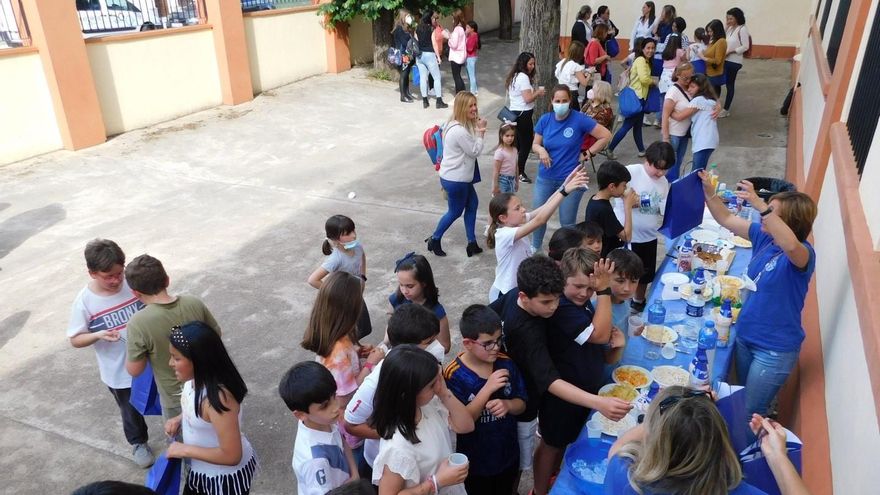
407, 370
673, 44
521, 65
717, 30
422, 272
213, 369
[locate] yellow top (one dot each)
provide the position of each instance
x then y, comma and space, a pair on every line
714, 56
640, 77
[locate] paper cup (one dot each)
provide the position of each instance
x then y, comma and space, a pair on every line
636, 325
457, 459
594, 429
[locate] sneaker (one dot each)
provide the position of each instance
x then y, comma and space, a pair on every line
609, 153
143, 455
641, 154
723, 114
638, 307
525, 178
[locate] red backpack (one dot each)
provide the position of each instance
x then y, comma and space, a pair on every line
433, 141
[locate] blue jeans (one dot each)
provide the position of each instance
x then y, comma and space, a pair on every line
680, 145
701, 158
427, 62
461, 197
472, 73
633, 122
507, 183
568, 210
763, 373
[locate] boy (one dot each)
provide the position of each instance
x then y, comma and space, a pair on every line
492, 389
321, 460
524, 311
99, 316
649, 179
593, 232
613, 178
409, 324
628, 269
149, 330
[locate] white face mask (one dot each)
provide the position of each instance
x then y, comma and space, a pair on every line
408, 19
436, 349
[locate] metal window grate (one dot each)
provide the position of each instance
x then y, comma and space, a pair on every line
826, 12
14, 31
818, 8
99, 17
837, 32
865, 107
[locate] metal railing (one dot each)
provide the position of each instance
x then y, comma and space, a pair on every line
100, 17
284, 4
13, 25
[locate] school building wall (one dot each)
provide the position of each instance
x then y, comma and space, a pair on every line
28, 125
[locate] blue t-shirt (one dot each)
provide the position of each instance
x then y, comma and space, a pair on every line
493, 446
397, 299
771, 317
562, 139
617, 481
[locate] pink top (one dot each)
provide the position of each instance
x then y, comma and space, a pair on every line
344, 365
457, 45
473, 40
507, 157
680, 56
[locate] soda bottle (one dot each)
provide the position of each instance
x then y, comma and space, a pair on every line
652, 392
699, 369
686, 256
707, 341
713, 176
723, 322
699, 281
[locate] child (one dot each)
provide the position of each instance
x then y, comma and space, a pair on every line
221, 458
344, 253
701, 40
628, 269
98, 318
413, 414
597, 106
321, 460
524, 311
594, 234
648, 179
150, 328
409, 324
330, 334
704, 128
613, 178
504, 177
673, 55
493, 391
473, 44
415, 281
511, 224
564, 239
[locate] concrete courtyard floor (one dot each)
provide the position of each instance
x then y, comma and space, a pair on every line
233, 201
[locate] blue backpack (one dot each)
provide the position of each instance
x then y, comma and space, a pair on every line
433, 141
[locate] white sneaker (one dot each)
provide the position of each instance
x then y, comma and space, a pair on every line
723, 114
143, 455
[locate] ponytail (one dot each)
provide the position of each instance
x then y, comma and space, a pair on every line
497, 207
490, 234
326, 248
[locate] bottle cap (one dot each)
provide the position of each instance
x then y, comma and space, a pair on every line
710, 323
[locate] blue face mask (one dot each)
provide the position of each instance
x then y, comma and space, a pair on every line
561, 109
351, 245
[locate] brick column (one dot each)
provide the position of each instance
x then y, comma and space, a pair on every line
56, 32
231, 48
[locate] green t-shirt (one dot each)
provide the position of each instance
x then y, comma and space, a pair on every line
149, 331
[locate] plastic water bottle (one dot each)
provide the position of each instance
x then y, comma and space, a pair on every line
707, 341
699, 369
686, 256
652, 392
745, 210
723, 322
656, 318
695, 304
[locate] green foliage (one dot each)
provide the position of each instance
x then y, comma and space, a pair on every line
346, 10
381, 74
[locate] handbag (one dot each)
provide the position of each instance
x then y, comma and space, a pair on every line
684, 208
412, 48
756, 471
629, 102
612, 47
144, 393
654, 101
394, 56
507, 115
164, 476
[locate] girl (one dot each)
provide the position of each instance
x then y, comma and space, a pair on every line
416, 285
570, 71
474, 45
738, 43
595, 54
402, 35
640, 81
223, 461
457, 48
704, 129
519, 83
429, 60
598, 107
701, 40
714, 54
344, 253
413, 414
673, 55
511, 224
504, 178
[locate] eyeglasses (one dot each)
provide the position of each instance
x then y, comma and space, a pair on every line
491, 345
671, 401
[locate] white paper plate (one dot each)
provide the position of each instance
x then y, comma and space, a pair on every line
628, 367
674, 279
610, 386
704, 235
669, 335
667, 376
615, 428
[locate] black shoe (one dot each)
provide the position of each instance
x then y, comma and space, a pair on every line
410, 97
403, 99
525, 178
440, 103
473, 248
425, 103
638, 307
434, 246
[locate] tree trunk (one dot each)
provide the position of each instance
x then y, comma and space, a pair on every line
382, 27
505, 28
539, 34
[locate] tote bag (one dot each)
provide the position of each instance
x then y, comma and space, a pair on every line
145, 393
654, 101
164, 476
629, 102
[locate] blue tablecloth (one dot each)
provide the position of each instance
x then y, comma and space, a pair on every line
634, 354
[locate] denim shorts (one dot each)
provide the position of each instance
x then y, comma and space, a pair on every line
507, 183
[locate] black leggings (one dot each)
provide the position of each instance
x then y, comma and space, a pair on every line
525, 134
456, 76
404, 70
730, 69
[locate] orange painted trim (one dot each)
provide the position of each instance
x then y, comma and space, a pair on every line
21, 23
337, 43
794, 168
140, 35
821, 59
287, 10
230, 45
14, 52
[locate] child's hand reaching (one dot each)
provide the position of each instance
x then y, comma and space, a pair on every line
498, 408
578, 178
613, 408
600, 279
617, 338
375, 355
497, 380
450, 475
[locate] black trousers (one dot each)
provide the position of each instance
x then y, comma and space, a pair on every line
525, 134
499, 484
133, 423
404, 70
364, 325
456, 76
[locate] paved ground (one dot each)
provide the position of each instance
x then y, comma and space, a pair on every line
233, 201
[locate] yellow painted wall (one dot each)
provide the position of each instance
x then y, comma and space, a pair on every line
27, 117
486, 14
360, 35
284, 47
144, 81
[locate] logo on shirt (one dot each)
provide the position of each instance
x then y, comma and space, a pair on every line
115, 318
771, 265
568, 132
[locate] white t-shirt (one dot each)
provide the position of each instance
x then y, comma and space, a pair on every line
93, 313
678, 127
517, 86
565, 74
509, 255
645, 225
416, 463
319, 461
704, 129
360, 408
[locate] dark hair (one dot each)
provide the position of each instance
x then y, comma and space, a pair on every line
426, 17
357, 487
652, 12
213, 369
497, 207
306, 383
503, 130
423, 274
335, 227
102, 255
335, 313
717, 30
538, 274
591, 229
476, 29
737, 14
146, 275
600, 11
407, 369
700, 34
612, 173
660, 155
111, 487
575, 53
680, 24
412, 324
564, 239
641, 47
627, 263
584, 11
673, 44
521, 65
705, 87
478, 319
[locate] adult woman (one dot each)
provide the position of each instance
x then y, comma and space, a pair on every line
675, 132
663, 27
519, 82
582, 31
462, 143
570, 71
714, 54
558, 138
429, 60
402, 35
603, 16
457, 48
223, 460
682, 447
413, 412
595, 54
640, 80
644, 27
769, 332
738, 42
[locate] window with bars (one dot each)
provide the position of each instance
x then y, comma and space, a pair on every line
818, 8
837, 32
864, 111
825, 13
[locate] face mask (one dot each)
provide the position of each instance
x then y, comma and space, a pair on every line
408, 19
561, 109
351, 245
436, 350
590, 94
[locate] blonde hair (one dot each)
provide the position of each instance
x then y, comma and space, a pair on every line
461, 108
576, 261
575, 52
401, 20
602, 92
